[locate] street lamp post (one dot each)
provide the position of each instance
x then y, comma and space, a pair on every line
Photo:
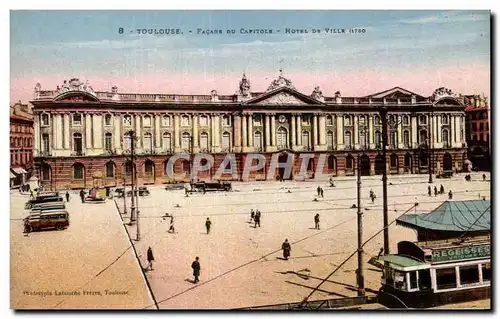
132, 162
360, 278
385, 128
430, 144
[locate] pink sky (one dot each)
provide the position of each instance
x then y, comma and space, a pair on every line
472, 79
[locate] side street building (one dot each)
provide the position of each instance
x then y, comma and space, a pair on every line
81, 135
477, 130
21, 143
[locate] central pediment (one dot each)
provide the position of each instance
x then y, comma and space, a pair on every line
283, 96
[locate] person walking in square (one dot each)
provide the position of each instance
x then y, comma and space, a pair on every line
318, 190
450, 195
441, 189
252, 215
257, 219
196, 269
321, 192
484, 177
435, 191
316, 222
286, 249
429, 190
208, 223
67, 196
82, 195
151, 258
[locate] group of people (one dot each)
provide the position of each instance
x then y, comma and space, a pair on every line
320, 191
255, 217
440, 191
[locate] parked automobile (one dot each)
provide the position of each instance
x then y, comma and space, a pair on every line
58, 219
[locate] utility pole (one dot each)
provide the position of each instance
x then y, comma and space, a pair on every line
360, 279
431, 115
385, 128
132, 162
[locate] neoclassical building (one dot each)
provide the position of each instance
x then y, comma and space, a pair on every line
81, 135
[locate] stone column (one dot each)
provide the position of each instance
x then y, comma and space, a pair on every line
138, 132
456, 132
322, 133
315, 131
439, 132
196, 146
217, 130
400, 132
340, 132
356, 133
157, 143
299, 131
237, 133
117, 120
244, 133
58, 132
268, 131
177, 132
293, 132
66, 132
36, 135
88, 131
273, 130
434, 129
250, 130
97, 129
371, 132
414, 133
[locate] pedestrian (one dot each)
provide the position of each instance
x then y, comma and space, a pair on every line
208, 223
318, 190
316, 222
435, 191
27, 226
441, 189
67, 196
322, 192
171, 229
257, 219
332, 183
286, 249
82, 195
429, 190
196, 269
252, 215
484, 177
151, 258
450, 195
373, 196
31, 194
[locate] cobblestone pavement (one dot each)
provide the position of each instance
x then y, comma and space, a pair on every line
51, 262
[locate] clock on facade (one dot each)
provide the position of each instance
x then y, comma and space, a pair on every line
282, 119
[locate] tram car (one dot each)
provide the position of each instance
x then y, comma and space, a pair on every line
212, 186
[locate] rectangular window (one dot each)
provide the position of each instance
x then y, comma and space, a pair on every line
165, 120
446, 278
204, 121
107, 120
469, 274
413, 280
257, 120
77, 119
486, 270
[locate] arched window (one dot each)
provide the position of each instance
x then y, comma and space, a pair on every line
347, 120
78, 171
128, 168
186, 141
226, 141
108, 141
406, 138
257, 141
329, 120
167, 142
148, 142
331, 162
393, 139
204, 141
445, 119
110, 170
46, 170
305, 139
378, 139
282, 138
149, 168
107, 120
446, 138
347, 139
406, 120
422, 119
329, 139
422, 136
185, 120
77, 143
146, 120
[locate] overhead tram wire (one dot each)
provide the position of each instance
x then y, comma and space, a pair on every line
472, 225
354, 253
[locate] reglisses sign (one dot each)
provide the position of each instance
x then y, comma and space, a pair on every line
461, 253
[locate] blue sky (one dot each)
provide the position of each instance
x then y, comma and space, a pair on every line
63, 43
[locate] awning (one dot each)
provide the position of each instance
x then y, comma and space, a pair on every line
12, 175
19, 170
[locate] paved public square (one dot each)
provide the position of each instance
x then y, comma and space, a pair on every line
241, 266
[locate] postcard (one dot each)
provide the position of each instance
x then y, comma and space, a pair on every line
250, 160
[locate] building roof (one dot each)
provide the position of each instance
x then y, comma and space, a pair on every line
452, 216
398, 262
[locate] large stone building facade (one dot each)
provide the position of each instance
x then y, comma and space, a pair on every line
477, 130
81, 135
21, 143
